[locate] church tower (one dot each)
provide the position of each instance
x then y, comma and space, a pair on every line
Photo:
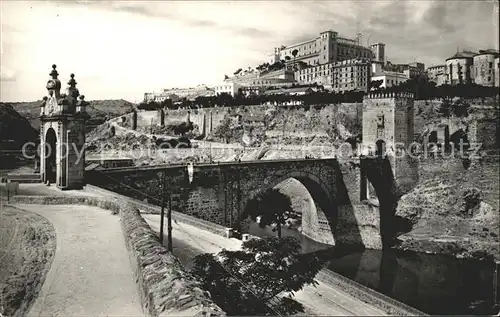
62, 134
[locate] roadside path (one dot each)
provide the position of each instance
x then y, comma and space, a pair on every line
189, 241
91, 274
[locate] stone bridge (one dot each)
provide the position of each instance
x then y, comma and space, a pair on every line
340, 212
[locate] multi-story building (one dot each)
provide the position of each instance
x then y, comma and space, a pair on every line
155, 96
484, 67
318, 74
389, 79
346, 75
327, 48
437, 74
186, 92
227, 87
411, 70
459, 68
252, 81
354, 74
178, 93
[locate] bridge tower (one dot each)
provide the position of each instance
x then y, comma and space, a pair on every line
388, 128
62, 134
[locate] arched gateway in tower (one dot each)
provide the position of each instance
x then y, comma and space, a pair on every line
62, 134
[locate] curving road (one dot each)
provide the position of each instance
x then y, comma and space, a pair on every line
91, 273
189, 241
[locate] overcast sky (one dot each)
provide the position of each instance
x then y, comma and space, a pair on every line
123, 49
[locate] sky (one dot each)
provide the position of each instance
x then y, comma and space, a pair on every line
122, 49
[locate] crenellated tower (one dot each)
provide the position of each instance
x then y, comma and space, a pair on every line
388, 129
62, 134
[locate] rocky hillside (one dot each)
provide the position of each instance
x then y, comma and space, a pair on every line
15, 131
99, 110
289, 125
14, 127
454, 210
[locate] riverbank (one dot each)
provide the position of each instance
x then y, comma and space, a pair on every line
27, 248
454, 210
433, 283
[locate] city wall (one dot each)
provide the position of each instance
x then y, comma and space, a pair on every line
294, 120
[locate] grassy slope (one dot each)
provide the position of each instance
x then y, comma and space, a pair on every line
27, 245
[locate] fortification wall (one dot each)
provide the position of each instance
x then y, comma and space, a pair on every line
295, 121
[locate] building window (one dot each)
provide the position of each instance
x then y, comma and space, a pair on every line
491, 65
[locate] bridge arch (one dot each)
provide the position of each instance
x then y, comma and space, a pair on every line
318, 219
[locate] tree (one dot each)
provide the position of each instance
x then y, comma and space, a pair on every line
271, 207
294, 54
223, 131
460, 108
265, 273
375, 84
445, 108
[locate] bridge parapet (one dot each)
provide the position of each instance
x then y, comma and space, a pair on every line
219, 193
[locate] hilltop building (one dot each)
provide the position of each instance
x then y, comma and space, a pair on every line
471, 67
327, 48
459, 68
176, 94
484, 67
354, 74
378, 50
437, 74
389, 79
410, 70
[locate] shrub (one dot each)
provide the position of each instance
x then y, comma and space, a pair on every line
471, 199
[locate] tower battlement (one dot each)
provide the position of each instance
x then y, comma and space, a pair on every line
388, 127
382, 95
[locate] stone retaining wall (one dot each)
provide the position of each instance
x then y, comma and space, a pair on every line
367, 295
147, 208
165, 288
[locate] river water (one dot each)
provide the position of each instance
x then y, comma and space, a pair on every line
434, 284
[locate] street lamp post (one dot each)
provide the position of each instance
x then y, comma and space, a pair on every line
162, 214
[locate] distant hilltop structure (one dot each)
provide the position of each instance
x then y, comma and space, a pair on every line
465, 67
176, 94
328, 47
341, 64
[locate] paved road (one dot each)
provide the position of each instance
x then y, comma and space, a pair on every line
91, 273
189, 241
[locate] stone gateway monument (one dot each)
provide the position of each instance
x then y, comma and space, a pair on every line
62, 134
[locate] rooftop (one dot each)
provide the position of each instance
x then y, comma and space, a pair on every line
463, 54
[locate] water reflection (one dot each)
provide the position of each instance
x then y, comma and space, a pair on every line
434, 284
307, 244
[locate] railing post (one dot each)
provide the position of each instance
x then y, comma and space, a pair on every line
162, 214
169, 222
496, 283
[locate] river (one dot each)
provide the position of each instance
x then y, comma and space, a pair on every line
434, 284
